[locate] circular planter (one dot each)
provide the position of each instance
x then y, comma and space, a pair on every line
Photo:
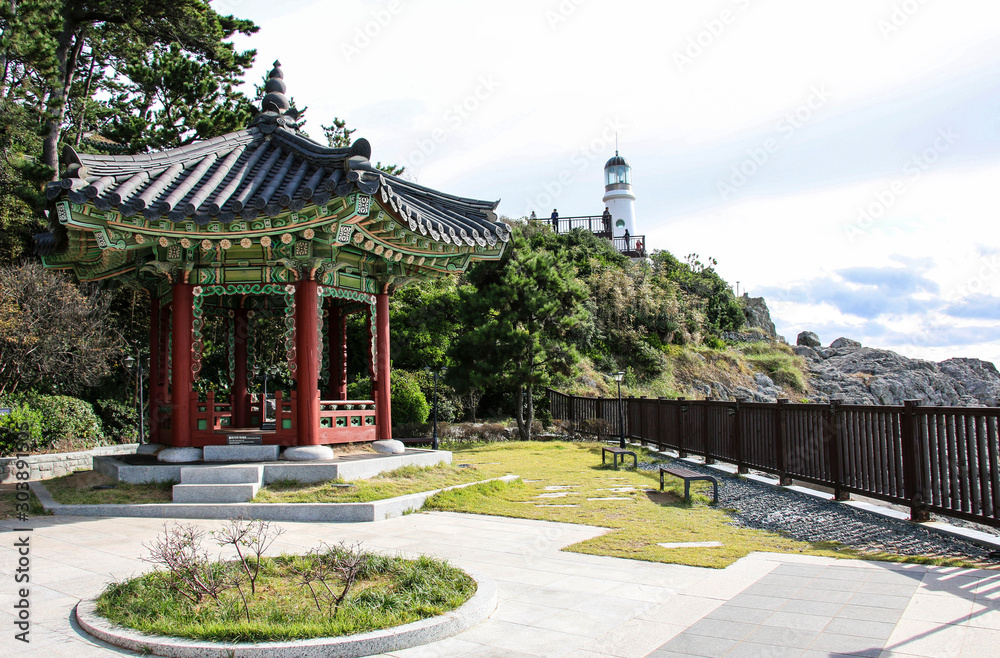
476, 609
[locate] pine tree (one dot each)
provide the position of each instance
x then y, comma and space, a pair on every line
521, 317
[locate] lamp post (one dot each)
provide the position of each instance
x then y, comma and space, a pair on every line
129, 362
621, 412
437, 371
265, 371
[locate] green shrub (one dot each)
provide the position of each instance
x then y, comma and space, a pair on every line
119, 420
20, 430
408, 402
65, 417
783, 368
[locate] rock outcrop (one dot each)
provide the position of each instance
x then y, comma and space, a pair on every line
864, 375
757, 314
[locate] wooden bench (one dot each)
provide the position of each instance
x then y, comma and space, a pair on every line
689, 476
616, 453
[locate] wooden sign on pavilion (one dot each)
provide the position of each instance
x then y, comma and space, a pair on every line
263, 220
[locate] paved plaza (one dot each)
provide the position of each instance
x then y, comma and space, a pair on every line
557, 603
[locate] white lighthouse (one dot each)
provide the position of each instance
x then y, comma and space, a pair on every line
618, 196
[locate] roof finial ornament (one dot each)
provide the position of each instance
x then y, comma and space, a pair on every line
274, 91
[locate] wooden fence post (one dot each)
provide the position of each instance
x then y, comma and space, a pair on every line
660, 407
780, 424
741, 466
643, 425
912, 464
681, 409
832, 438
706, 436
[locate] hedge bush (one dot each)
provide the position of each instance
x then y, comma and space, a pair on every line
408, 402
20, 430
120, 420
66, 418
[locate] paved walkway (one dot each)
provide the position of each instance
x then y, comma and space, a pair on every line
555, 603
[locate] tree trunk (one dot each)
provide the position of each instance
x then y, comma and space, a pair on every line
67, 51
524, 420
86, 97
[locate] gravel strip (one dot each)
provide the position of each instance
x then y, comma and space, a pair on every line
799, 516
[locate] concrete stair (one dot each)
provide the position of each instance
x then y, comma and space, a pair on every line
218, 484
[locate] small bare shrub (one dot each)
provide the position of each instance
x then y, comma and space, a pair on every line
248, 537
597, 426
492, 432
193, 575
343, 562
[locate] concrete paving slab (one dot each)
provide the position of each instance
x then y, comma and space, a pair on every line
554, 602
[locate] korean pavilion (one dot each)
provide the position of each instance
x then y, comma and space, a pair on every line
257, 223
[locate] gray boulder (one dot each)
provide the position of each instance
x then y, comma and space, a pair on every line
845, 343
808, 339
805, 351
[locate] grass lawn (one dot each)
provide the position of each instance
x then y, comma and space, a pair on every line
565, 482
402, 481
9, 501
78, 489
391, 591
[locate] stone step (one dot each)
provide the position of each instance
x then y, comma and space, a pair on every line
236, 474
214, 493
241, 453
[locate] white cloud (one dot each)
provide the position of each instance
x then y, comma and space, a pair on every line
891, 92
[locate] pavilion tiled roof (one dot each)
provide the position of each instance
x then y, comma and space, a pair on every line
267, 169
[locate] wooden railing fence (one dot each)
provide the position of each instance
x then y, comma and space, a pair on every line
944, 460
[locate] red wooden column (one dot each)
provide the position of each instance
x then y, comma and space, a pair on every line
307, 361
241, 410
181, 378
383, 395
337, 339
154, 368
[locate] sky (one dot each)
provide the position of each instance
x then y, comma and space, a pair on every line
841, 159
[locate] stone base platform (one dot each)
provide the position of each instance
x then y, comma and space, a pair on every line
136, 469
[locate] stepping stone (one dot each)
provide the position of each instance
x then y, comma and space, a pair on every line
560, 487
611, 498
552, 495
556, 505
692, 544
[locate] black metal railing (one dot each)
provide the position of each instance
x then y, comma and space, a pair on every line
634, 246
